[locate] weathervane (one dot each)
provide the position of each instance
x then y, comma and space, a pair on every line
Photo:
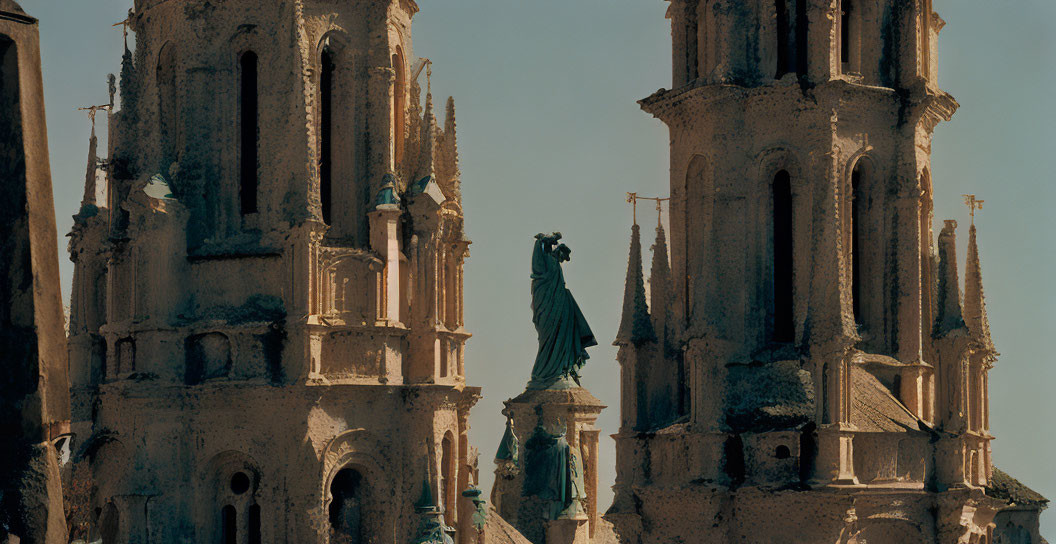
124, 26
633, 198
973, 205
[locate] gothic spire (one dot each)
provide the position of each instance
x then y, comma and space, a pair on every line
660, 288
428, 140
949, 295
974, 301
635, 325
90, 174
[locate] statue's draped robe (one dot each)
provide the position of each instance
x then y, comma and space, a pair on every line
563, 331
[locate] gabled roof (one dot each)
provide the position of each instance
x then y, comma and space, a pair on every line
876, 410
1007, 488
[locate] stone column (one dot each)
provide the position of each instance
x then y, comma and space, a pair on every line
384, 240
34, 394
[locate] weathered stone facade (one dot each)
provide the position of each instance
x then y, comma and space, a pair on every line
266, 337
807, 372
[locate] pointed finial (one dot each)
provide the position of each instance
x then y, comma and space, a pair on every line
973, 205
632, 199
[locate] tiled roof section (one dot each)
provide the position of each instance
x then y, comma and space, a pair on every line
1007, 488
499, 531
876, 410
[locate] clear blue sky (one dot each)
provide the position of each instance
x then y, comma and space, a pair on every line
551, 139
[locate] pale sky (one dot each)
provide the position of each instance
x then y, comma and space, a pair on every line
551, 139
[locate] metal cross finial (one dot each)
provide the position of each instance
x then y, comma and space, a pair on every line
92, 110
973, 205
633, 199
124, 26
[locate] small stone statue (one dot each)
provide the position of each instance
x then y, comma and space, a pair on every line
553, 473
563, 332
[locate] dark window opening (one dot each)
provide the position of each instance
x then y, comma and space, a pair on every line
784, 45
447, 475
254, 524
346, 505
783, 325
249, 121
239, 483
229, 525
807, 452
782, 452
733, 452
802, 41
845, 31
326, 167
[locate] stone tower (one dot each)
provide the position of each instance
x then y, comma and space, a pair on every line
34, 386
804, 373
266, 330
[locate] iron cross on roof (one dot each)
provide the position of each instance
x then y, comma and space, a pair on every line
973, 205
633, 198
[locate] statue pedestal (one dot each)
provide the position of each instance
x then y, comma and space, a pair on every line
568, 531
575, 411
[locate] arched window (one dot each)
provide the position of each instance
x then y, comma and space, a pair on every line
249, 121
109, 524
168, 121
858, 201
347, 505
326, 124
399, 107
447, 474
229, 524
783, 327
785, 60
692, 54
254, 524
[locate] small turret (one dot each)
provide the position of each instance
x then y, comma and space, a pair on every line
974, 302
660, 291
636, 326
949, 296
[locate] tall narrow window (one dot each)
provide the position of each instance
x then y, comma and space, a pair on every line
249, 120
346, 505
856, 242
254, 524
326, 126
802, 40
167, 110
783, 325
784, 44
399, 107
447, 476
229, 525
692, 55
845, 31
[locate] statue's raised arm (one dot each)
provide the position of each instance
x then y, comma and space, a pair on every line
564, 334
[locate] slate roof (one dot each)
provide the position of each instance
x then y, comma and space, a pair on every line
1007, 488
876, 410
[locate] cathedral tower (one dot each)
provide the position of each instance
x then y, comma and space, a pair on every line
814, 375
266, 335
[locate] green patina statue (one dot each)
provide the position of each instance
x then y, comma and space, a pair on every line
553, 473
564, 333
